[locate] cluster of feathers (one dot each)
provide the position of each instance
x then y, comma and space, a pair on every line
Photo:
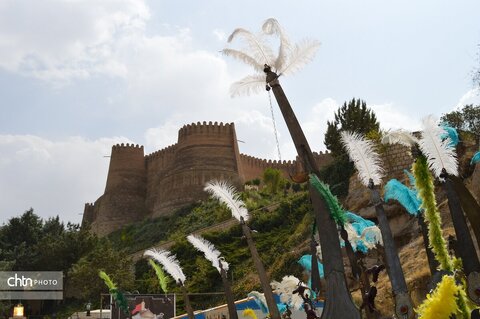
257, 52
442, 302
117, 295
169, 263
210, 252
162, 278
437, 143
362, 234
228, 195
285, 288
363, 155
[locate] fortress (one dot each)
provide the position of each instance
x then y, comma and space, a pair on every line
157, 184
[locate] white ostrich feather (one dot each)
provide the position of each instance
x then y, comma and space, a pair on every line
440, 155
169, 263
256, 45
270, 27
285, 288
207, 248
249, 84
366, 159
290, 57
228, 195
301, 55
225, 265
242, 56
399, 137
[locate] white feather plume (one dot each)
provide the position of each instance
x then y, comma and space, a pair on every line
249, 84
242, 56
440, 155
290, 57
399, 137
207, 248
256, 45
285, 288
301, 55
224, 263
366, 159
228, 195
270, 27
169, 263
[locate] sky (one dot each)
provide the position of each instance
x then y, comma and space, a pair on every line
77, 76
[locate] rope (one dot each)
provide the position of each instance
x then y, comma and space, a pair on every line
274, 126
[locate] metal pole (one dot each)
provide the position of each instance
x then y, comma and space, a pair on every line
338, 301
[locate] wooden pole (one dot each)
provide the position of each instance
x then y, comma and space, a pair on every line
188, 307
465, 246
403, 302
338, 301
232, 310
262, 274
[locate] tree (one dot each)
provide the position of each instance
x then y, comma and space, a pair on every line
84, 280
273, 180
355, 117
466, 119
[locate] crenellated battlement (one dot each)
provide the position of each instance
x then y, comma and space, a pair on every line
169, 150
128, 146
210, 128
251, 160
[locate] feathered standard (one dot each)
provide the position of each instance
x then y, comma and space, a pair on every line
117, 295
228, 195
210, 252
290, 57
399, 137
436, 147
366, 159
169, 263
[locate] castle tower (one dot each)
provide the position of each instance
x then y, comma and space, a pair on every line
124, 199
203, 152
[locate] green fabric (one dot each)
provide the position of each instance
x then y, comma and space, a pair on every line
426, 191
336, 211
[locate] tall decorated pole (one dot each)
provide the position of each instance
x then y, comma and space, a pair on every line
212, 254
172, 266
227, 194
442, 161
338, 301
367, 162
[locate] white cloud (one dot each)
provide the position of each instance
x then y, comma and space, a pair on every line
52, 177
470, 97
219, 34
390, 116
59, 40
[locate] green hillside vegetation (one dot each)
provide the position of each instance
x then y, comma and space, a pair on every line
281, 234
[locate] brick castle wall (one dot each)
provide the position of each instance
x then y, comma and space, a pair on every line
157, 184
